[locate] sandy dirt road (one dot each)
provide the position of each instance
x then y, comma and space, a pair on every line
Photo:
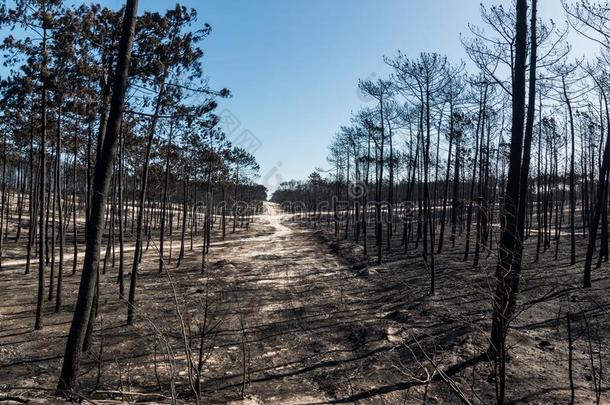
311, 332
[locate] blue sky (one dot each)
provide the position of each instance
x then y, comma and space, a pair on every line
293, 65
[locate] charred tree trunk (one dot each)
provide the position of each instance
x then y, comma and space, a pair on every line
572, 177
41, 191
60, 213
164, 201
103, 172
599, 208
141, 201
509, 242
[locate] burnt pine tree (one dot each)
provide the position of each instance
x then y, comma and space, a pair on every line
509, 242
525, 165
102, 175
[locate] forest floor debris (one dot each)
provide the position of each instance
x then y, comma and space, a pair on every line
292, 320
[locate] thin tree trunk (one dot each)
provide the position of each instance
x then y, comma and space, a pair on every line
41, 191
572, 175
599, 208
142, 198
164, 201
60, 225
121, 275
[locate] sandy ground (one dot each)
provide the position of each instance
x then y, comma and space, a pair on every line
295, 317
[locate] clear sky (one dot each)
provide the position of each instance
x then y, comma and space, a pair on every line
293, 65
